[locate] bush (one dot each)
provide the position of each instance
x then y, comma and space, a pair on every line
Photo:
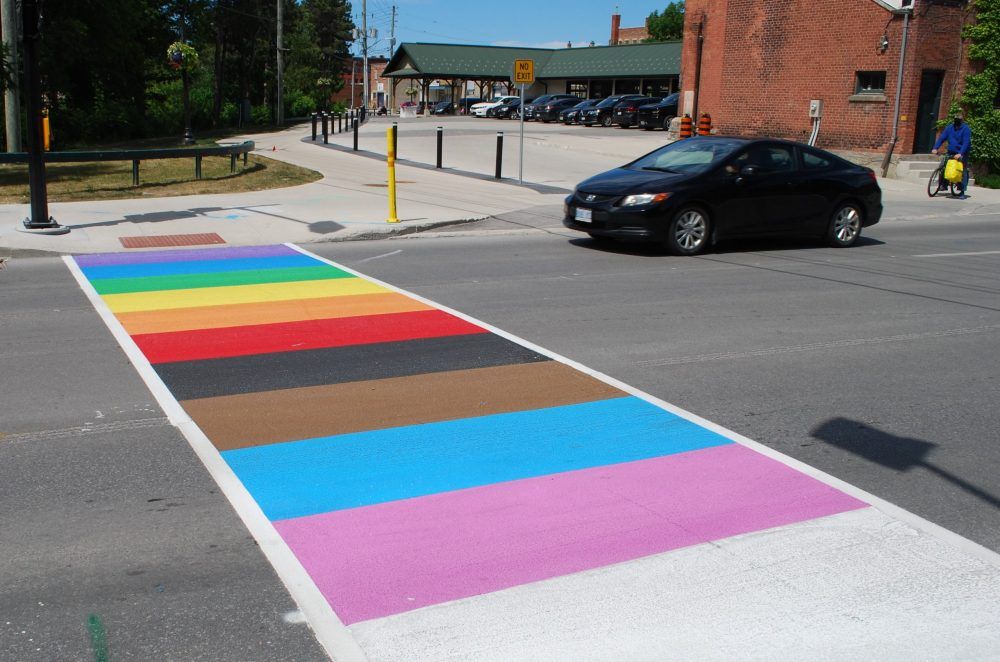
988, 181
261, 114
299, 104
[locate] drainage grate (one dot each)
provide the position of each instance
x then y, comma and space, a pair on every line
167, 240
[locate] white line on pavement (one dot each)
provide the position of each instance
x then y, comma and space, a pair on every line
379, 257
959, 254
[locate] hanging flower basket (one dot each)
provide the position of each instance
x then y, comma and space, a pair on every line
181, 56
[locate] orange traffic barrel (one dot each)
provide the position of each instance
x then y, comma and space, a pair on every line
705, 125
685, 127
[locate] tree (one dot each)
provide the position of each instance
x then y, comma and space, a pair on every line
981, 97
668, 26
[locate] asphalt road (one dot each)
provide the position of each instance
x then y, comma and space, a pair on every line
115, 541
879, 364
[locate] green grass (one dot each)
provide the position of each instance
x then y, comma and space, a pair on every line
112, 180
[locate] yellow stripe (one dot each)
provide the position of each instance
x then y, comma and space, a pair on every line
218, 296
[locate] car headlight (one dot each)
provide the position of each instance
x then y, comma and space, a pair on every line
643, 199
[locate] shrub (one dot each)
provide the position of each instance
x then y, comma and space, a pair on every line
988, 181
261, 114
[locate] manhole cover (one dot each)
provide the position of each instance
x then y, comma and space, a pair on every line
398, 181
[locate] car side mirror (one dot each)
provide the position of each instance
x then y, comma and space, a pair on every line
746, 172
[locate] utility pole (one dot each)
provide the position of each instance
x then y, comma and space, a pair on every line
12, 104
279, 111
364, 50
392, 51
354, 64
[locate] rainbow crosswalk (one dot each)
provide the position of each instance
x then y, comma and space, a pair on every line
409, 457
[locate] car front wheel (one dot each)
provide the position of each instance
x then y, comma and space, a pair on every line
845, 226
606, 121
688, 231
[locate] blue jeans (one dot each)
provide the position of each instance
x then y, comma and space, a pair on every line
942, 183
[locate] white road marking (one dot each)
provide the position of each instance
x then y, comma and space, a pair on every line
379, 257
959, 254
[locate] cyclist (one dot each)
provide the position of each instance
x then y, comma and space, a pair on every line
958, 135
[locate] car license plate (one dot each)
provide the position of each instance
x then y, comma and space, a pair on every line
584, 215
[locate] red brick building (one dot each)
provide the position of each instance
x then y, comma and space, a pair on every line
763, 61
353, 89
620, 35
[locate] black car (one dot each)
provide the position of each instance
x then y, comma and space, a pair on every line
602, 112
465, 104
627, 109
507, 111
492, 112
658, 114
695, 192
549, 112
531, 108
571, 115
443, 108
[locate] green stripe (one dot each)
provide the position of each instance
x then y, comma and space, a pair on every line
222, 279
98, 638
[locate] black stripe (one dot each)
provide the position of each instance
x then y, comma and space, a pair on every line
336, 365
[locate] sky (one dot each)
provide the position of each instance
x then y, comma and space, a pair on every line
537, 23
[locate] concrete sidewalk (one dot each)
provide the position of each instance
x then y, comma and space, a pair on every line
350, 202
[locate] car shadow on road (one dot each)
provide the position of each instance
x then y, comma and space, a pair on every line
730, 246
892, 451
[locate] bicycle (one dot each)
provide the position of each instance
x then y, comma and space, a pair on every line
937, 177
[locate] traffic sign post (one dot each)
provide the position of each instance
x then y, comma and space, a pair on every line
524, 74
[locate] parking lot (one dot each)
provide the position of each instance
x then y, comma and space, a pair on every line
554, 154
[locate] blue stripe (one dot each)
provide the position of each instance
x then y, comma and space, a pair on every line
300, 478
200, 267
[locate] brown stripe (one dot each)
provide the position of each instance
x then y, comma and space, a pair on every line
254, 419
168, 240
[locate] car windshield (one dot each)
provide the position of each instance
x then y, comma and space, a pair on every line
687, 156
584, 104
610, 101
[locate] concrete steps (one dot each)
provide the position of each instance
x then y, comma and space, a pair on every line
918, 168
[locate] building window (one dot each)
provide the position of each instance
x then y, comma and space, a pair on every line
627, 86
578, 88
870, 82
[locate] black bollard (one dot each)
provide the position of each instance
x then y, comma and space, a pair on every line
326, 134
499, 153
314, 126
355, 135
395, 139
440, 137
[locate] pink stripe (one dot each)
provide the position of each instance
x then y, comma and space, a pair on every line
393, 557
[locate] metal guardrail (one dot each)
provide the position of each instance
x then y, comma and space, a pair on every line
136, 156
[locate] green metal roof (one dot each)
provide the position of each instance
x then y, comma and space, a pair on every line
418, 60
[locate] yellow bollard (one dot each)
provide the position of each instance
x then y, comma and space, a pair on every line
46, 132
391, 162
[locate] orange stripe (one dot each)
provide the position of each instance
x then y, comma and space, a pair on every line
271, 312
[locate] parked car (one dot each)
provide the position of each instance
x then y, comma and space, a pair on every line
549, 112
508, 110
443, 108
602, 112
627, 109
658, 114
571, 115
466, 103
695, 192
479, 109
530, 108
492, 112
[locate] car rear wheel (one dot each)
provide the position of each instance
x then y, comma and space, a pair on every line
688, 232
845, 226
607, 121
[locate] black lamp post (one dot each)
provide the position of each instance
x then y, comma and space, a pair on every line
177, 61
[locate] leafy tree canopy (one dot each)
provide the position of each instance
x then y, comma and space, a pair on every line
667, 26
981, 98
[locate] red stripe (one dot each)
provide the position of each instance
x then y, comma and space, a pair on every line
298, 336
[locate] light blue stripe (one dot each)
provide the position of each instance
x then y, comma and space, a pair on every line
300, 478
199, 267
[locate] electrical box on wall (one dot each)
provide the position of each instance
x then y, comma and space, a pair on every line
816, 108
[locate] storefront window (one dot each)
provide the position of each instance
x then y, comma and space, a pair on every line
600, 89
627, 86
579, 88
659, 87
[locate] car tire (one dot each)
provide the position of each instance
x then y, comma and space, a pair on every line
607, 121
689, 231
845, 225
666, 123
